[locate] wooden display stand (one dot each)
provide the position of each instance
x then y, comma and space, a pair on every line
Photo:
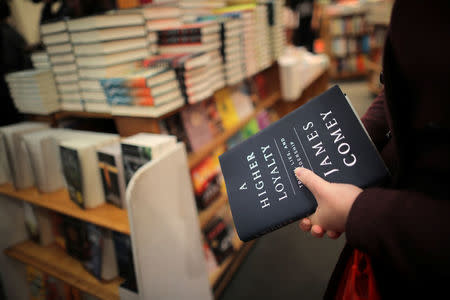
162, 218
327, 36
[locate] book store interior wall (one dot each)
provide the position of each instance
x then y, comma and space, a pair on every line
113, 117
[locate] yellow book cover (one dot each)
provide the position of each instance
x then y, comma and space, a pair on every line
226, 109
36, 282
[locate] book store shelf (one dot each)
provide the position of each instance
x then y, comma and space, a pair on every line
55, 262
198, 156
105, 215
207, 214
223, 275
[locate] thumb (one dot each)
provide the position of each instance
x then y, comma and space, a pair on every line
313, 182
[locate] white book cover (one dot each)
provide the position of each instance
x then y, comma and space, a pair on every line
104, 21
5, 169
17, 153
80, 168
59, 49
57, 38
105, 60
53, 27
110, 47
100, 35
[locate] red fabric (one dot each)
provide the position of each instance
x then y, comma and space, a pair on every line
358, 282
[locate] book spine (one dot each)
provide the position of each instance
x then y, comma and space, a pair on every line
183, 39
179, 32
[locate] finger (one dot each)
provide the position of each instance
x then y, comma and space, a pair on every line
305, 225
313, 182
333, 234
317, 231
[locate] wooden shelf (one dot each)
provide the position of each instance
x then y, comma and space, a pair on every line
55, 262
82, 114
220, 279
237, 245
207, 214
106, 215
196, 157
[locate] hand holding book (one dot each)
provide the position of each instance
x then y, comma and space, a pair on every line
334, 201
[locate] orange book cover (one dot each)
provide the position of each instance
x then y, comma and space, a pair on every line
145, 101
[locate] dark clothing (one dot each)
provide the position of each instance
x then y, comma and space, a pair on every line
405, 227
13, 57
304, 34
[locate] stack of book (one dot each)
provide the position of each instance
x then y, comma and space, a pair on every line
250, 41
275, 18
40, 60
158, 17
195, 9
59, 48
233, 50
189, 38
151, 92
200, 71
33, 91
106, 45
263, 52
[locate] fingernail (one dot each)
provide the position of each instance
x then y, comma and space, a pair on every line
306, 222
297, 172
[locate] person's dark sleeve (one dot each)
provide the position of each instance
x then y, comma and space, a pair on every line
375, 122
408, 230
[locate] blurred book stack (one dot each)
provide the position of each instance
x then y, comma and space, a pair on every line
150, 92
276, 29
33, 91
263, 52
40, 60
195, 9
158, 17
62, 59
233, 50
195, 53
105, 46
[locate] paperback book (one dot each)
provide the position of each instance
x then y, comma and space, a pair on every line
325, 136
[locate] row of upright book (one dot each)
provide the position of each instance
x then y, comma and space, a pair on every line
104, 253
95, 167
342, 47
240, 41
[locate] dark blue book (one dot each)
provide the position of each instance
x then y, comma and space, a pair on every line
323, 135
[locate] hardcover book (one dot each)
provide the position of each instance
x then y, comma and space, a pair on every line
323, 135
219, 238
111, 170
141, 148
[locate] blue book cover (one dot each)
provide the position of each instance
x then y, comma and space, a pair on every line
323, 135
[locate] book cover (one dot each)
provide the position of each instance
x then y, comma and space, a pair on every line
206, 181
110, 178
195, 121
226, 108
174, 126
36, 283
323, 135
72, 172
134, 157
124, 257
94, 246
76, 240
219, 239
